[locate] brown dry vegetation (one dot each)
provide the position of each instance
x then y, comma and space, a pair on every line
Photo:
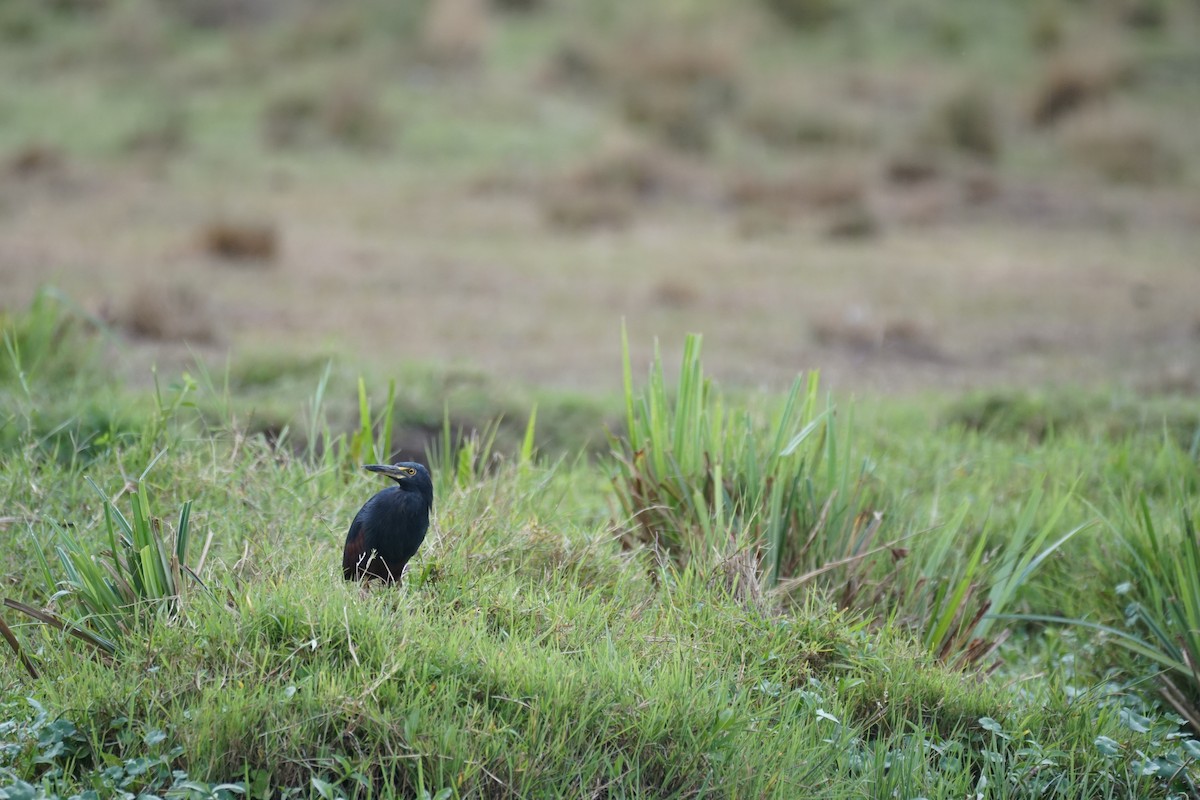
241, 241
1073, 82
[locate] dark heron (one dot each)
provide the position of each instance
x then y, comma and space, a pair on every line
389, 528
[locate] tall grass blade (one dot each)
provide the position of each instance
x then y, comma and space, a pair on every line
318, 429
525, 457
183, 532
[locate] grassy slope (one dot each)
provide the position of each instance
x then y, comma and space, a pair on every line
524, 656
528, 655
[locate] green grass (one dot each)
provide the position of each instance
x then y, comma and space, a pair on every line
535, 649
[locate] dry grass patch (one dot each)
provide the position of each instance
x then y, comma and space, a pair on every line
349, 112
35, 159
778, 117
675, 292
608, 189
1073, 82
673, 80
677, 87
234, 240
1122, 148
567, 210
966, 122
912, 166
836, 196
824, 188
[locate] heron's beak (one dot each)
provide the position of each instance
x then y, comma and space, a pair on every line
386, 469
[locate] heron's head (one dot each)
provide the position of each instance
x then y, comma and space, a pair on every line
408, 474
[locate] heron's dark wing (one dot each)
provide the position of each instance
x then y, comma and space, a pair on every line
355, 551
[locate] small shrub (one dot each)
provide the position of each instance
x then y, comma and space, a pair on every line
36, 159
912, 166
231, 240
805, 14
677, 88
675, 293
1072, 83
967, 122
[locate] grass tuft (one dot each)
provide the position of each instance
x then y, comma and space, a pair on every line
141, 578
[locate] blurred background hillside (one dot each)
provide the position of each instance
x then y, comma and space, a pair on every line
905, 195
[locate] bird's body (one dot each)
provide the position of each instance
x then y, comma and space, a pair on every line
389, 528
